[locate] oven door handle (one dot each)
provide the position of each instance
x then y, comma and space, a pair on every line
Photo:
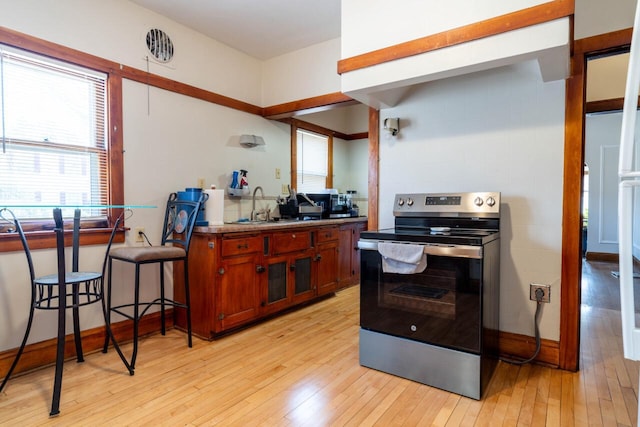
454, 251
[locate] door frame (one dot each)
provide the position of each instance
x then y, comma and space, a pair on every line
575, 109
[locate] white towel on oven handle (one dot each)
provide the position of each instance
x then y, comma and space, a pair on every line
402, 258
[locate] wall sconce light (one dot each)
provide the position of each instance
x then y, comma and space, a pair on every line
392, 125
251, 141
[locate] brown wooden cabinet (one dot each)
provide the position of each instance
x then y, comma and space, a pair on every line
237, 277
238, 292
349, 254
288, 279
326, 259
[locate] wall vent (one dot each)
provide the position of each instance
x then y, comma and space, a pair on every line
159, 45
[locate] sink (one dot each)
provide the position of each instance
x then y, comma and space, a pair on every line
260, 222
248, 222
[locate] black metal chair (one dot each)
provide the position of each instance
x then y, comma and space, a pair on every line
66, 289
179, 221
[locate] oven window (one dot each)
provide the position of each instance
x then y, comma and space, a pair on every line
440, 306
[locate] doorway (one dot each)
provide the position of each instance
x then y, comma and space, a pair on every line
573, 174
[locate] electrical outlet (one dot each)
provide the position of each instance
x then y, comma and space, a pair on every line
200, 182
534, 290
277, 173
285, 189
139, 231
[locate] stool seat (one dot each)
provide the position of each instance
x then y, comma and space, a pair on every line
148, 253
70, 278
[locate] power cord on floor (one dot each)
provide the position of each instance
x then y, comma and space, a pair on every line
536, 321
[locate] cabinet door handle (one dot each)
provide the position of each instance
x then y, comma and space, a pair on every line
318, 257
292, 267
245, 246
260, 269
221, 270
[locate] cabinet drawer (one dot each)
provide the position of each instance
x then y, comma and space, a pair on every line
327, 234
290, 242
241, 245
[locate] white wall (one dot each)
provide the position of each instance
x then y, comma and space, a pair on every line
302, 74
593, 17
607, 77
499, 130
349, 119
369, 25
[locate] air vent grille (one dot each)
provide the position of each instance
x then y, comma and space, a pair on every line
159, 45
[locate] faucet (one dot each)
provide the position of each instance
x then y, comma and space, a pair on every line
254, 214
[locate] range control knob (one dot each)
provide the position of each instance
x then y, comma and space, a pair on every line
491, 201
410, 202
400, 202
478, 201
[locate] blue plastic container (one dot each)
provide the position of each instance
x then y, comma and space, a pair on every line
193, 195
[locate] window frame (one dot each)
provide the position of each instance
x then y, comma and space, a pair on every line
94, 231
297, 124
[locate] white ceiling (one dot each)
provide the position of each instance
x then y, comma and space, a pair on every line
261, 28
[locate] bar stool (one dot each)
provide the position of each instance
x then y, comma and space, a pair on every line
66, 289
179, 221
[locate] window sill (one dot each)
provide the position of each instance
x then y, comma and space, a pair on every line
10, 242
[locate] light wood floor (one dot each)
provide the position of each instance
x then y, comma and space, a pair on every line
302, 369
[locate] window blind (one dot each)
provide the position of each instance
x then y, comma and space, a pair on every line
312, 162
54, 141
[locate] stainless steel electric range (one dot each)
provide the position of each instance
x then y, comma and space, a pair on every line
430, 291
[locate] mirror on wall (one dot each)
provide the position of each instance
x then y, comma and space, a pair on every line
350, 147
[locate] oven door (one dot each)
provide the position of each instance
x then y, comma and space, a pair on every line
440, 306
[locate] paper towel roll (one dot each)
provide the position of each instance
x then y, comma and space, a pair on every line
214, 208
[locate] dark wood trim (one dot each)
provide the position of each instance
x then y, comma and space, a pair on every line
601, 256
354, 136
43, 353
571, 218
329, 179
606, 105
512, 21
374, 164
10, 242
323, 130
308, 105
603, 43
575, 109
115, 171
293, 131
160, 82
521, 347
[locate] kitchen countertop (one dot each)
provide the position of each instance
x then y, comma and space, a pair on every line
283, 224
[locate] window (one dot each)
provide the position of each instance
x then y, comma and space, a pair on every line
312, 161
53, 122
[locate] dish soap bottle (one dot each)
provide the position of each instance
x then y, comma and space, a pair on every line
234, 180
244, 183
